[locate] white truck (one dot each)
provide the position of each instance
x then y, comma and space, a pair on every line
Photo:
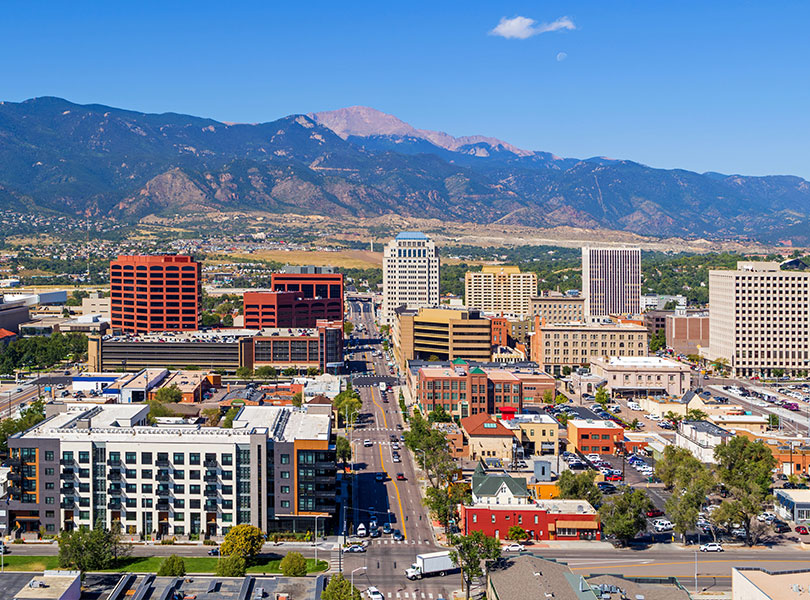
433, 563
383, 387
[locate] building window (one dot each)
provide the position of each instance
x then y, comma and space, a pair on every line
493, 518
285, 504
84, 457
285, 489
475, 518
130, 458
179, 458
146, 458
49, 500
285, 474
285, 459
49, 455
194, 458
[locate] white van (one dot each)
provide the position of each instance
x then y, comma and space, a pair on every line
361, 530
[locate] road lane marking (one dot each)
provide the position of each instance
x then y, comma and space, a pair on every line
399, 498
691, 562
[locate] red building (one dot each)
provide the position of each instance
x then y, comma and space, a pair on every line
500, 502
155, 293
320, 346
296, 300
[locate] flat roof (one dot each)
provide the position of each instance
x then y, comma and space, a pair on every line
647, 362
799, 496
777, 584
411, 235
56, 584
738, 418
604, 423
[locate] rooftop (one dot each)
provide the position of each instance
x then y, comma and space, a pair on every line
707, 427
757, 419
774, 584
54, 585
602, 423
798, 496
527, 576
642, 362
411, 235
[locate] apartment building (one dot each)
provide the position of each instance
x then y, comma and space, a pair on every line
555, 307
611, 281
759, 319
572, 345
640, 376
410, 274
595, 436
443, 333
155, 293
500, 289
274, 469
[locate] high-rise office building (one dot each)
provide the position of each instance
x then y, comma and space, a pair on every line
297, 300
410, 274
759, 319
611, 281
502, 289
155, 293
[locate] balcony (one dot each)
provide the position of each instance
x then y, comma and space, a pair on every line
114, 491
15, 476
162, 462
211, 493
162, 506
210, 463
67, 490
114, 462
67, 503
210, 506
325, 494
163, 491
163, 476
325, 465
15, 493
114, 504
14, 462
114, 476
327, 479
211, 478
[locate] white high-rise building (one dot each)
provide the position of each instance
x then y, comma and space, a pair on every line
611, 281
500, 289
410, 273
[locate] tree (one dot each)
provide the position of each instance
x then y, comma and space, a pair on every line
602, 397
290, 372
340, 588
443, 502
695, 414
579, 486
470, 551
548, 397
744, 467
671, 305
297, 399
683, 506
658, 341
625, 515
347, 405
267, 372
672, 417
169, 395
563, 419
517, 533
343, 450
430, 450
676, 467
227, 422
243, 540
157, 410
172, 566
439, 415
211, 416
566, 371
433, 358
29, 416
773, 421
294, 565
91, 549
231, 566
244, 373
313, 371
778, 372
348, 327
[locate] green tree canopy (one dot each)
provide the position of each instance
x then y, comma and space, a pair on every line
343, 449
243, 540
231, 566
430, 451
625, 515
294, 565
579, 486
517, 533
340, 588
169, 394
92, 549
470, 552
244, 373
267, 372
439, 415
297, 399
602, 396
172, 566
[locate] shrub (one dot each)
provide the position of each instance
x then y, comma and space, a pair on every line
172, 566
294, 565
231, 566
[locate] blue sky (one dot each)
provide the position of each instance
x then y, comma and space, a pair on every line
721, 86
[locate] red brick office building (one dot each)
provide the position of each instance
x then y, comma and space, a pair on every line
155, 293
296, 300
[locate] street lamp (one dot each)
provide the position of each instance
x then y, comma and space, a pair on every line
353, 572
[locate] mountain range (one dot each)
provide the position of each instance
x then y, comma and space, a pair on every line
61, 157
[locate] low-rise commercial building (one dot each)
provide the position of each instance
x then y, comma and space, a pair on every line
485, 438
793, 505
701, 438
12, 314
557, 346
755, 583
274, 469
687, 333
735, 422
500, 501
636, 376
538, 434
595, 436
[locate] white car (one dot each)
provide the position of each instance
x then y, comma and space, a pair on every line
374, 594
766, 517
662, 525
513, 548
367, 443
653, 417
711, 547
593, 457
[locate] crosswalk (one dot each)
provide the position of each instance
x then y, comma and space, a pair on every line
406, 542
334, 561
413, 595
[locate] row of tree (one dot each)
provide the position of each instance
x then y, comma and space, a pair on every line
40, 352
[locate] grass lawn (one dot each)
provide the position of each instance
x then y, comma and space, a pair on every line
150, 564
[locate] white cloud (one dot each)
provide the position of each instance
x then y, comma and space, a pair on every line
521, 28
561, 56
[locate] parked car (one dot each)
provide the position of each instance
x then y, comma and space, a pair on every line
711, 547
766, 517
375, 533
387, 528
780, 527
655, 512
801, 529
397, 536
374, 594
662, 525
614, 477
513, 548
214, 551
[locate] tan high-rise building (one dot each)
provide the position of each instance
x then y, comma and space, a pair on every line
611, 281
443, 332
759, 319
500, 289
410, 274
555, 346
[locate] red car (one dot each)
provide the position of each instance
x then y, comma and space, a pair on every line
400, 476
615, 478
655, 513
802, 529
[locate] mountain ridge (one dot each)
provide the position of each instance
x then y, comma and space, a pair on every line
358, 162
